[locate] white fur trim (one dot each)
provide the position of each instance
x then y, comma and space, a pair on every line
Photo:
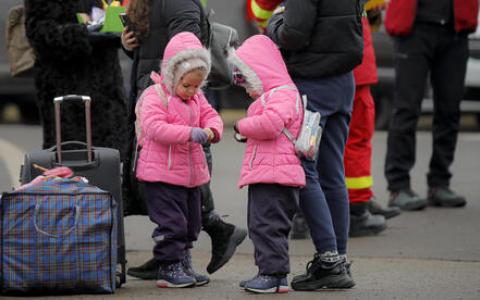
168, 67
250, 75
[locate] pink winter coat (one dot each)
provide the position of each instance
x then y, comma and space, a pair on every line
269, 156
167, 154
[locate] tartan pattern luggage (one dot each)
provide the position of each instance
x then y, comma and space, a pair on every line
101, 166
58, 236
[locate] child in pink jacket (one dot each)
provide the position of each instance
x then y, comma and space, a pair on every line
270, 167
174, 120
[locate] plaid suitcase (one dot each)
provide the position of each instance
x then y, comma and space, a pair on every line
101, 166
58, 236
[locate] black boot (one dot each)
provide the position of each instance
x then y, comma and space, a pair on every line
363, 223
225, 239
147, 271
388, 212
322, 274
300, 229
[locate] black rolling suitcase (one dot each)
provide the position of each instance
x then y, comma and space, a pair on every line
101, 166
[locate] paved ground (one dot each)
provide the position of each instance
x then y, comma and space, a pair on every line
433, 254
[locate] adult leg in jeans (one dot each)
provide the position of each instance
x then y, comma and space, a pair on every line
325, 205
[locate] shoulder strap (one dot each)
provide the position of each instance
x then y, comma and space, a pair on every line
161, 94
285, 131
282, 87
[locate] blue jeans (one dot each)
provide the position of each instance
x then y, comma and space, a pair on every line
324, 199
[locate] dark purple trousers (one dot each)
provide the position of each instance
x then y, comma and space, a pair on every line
177, 212
271, 208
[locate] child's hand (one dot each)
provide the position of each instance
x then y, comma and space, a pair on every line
199, 135
210, 133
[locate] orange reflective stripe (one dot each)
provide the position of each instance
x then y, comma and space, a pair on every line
359, 182
259, 12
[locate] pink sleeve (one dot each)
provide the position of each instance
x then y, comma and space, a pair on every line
277, 114
209, 118
154, 123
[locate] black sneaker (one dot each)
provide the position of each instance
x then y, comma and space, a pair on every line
407, 200
225, 239
322, 275
147, 271
441, 196
366, 224
388, 212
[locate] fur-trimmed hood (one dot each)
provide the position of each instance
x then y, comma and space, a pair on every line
260, 61
184, 46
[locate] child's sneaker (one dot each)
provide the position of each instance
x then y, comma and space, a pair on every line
189, 270
267, 284
174, 276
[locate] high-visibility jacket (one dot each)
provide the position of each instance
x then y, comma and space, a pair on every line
401, 16
261, 10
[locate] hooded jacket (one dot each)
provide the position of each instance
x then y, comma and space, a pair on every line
166, 122
401, 14
269, 156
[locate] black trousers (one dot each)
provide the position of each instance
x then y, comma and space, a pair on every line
176, 211
271, 208
441, 52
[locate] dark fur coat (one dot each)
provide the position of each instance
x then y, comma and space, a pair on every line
70, 61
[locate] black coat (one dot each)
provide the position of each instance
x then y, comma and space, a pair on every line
319, 38
70, 61
167, 18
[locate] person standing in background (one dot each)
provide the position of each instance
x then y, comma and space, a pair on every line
430, 37
367, 217
320, 64
152, 25
72, 60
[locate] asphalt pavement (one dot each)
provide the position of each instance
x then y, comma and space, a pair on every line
431, 254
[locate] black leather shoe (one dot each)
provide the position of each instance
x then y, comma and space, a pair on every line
376, 209
366, 224
440, 196
147, 271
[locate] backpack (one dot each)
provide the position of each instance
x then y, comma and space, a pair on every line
220, 38
308, 140
19, 52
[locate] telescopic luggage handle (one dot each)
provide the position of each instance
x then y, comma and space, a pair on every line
87, 101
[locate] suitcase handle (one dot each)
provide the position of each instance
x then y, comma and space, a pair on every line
39, 230
88, 124
75, 166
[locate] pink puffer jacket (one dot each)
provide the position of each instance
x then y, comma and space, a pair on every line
270, 156
167, 154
